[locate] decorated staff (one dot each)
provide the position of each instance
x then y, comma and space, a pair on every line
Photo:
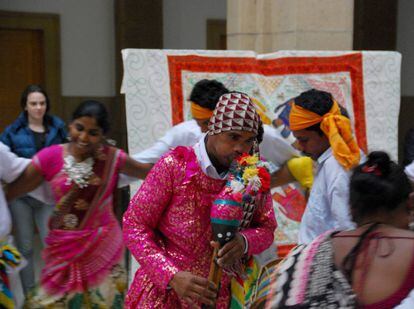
248, 176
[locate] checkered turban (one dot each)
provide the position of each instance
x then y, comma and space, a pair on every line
234, 112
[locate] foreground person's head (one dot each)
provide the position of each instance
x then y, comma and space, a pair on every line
235, 128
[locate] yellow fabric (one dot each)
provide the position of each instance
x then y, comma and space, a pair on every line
261, 110
237, 294
335, 126
8, 303
302, 169
242, 290
200, 112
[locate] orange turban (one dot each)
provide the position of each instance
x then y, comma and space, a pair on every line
200, 112
335, 126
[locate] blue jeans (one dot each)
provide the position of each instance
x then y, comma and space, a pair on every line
27, 213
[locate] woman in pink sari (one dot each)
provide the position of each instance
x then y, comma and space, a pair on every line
84, 246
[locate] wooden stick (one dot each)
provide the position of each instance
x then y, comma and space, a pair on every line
214, 275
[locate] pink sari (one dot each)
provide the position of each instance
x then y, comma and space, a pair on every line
85, 239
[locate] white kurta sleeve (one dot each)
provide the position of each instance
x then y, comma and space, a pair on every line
339, 202
11, 165
184, 134
276, 149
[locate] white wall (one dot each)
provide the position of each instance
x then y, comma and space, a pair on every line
405, 45
88, 36
185, 22
87, 42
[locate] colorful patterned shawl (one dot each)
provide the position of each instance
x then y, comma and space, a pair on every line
308, 278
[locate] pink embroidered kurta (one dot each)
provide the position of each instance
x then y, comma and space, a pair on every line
167, 228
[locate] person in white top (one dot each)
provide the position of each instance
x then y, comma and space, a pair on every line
274, 147
11, 167
326, 136
204, 97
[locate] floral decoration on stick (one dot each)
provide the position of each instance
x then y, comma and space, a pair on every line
248, 176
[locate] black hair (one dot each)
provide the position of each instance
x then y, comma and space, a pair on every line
260, 132
206, 93
94, 109
377, 184
30, 89
317, 101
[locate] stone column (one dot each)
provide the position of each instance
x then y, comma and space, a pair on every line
270, 25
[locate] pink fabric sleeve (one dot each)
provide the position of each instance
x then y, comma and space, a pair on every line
260, 234
122, 156
49, 161
120, 161
142, 218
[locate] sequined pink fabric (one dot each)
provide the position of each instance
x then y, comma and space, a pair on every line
167, 228
82, 257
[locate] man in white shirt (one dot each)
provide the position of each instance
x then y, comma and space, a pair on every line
11, 166
326, 136
204, 97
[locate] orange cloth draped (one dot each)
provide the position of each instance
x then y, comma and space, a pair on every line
200, 112
335, 126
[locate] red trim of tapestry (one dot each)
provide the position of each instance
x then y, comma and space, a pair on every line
351, 63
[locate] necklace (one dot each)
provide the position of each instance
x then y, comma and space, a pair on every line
78, 172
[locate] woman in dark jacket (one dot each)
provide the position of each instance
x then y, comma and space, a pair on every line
33, 130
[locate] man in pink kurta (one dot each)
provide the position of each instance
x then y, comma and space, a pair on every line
167, 226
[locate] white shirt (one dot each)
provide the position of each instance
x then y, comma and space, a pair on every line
409, 171
186, 133
204, 160
328, 204
274, 148
11, 166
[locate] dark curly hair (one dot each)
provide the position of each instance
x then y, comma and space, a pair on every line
377, 184
94, 109
207, 92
